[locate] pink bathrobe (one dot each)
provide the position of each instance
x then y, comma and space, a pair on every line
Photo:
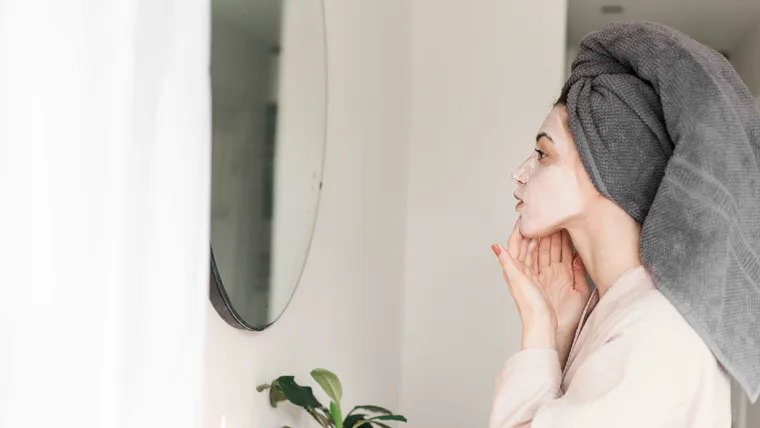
635, 362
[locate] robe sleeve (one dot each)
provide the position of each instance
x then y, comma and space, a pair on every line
629, 381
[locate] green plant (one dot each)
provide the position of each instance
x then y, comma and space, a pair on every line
285, 388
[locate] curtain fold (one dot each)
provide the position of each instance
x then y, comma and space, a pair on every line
104, 175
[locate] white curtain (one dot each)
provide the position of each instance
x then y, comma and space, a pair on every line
104, 180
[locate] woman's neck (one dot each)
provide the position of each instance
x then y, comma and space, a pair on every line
607, 239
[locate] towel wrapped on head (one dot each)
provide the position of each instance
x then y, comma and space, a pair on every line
667, 129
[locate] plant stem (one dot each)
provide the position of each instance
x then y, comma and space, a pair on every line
323, 421
327, 415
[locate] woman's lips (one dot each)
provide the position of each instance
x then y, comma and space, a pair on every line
519, 202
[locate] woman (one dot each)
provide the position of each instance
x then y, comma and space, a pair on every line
632, 142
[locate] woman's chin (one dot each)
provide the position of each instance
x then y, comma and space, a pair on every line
531, 229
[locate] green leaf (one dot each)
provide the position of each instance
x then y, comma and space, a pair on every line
374, 420
381, 425
262, 388
352, 420
388, 418
372, 409
336, 415
275, 396
329, 383
325, 412
297, 394
324, 419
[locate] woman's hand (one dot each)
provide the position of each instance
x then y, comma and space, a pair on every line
518, 263
563, 276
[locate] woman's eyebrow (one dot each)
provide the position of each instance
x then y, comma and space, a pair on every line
544, 134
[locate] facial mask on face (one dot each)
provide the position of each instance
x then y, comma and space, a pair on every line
556, 130
549, 188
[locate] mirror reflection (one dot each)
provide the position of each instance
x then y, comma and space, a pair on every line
268, 84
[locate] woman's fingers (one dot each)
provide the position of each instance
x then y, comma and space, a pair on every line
515, 239
523, 249
556, 247
580, 281
530, 258
508, 264
567, 247
544, 252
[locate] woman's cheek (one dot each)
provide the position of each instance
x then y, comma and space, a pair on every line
549, 200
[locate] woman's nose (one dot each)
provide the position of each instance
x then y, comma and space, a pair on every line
520, 175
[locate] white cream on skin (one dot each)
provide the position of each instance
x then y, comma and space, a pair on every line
549, 187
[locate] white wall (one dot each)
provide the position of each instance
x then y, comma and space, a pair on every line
485, 73
345, 315
745, 58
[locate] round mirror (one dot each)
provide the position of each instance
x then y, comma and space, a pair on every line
268, 83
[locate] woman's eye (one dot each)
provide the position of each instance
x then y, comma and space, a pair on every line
540, 154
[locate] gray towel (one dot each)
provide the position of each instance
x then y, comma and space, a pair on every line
667, 130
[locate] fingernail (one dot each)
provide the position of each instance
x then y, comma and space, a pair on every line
496, 249
577, 262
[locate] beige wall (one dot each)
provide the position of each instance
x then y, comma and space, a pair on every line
483, 78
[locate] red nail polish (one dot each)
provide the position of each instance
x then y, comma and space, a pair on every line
496, 249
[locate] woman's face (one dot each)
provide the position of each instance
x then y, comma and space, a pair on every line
552, 185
